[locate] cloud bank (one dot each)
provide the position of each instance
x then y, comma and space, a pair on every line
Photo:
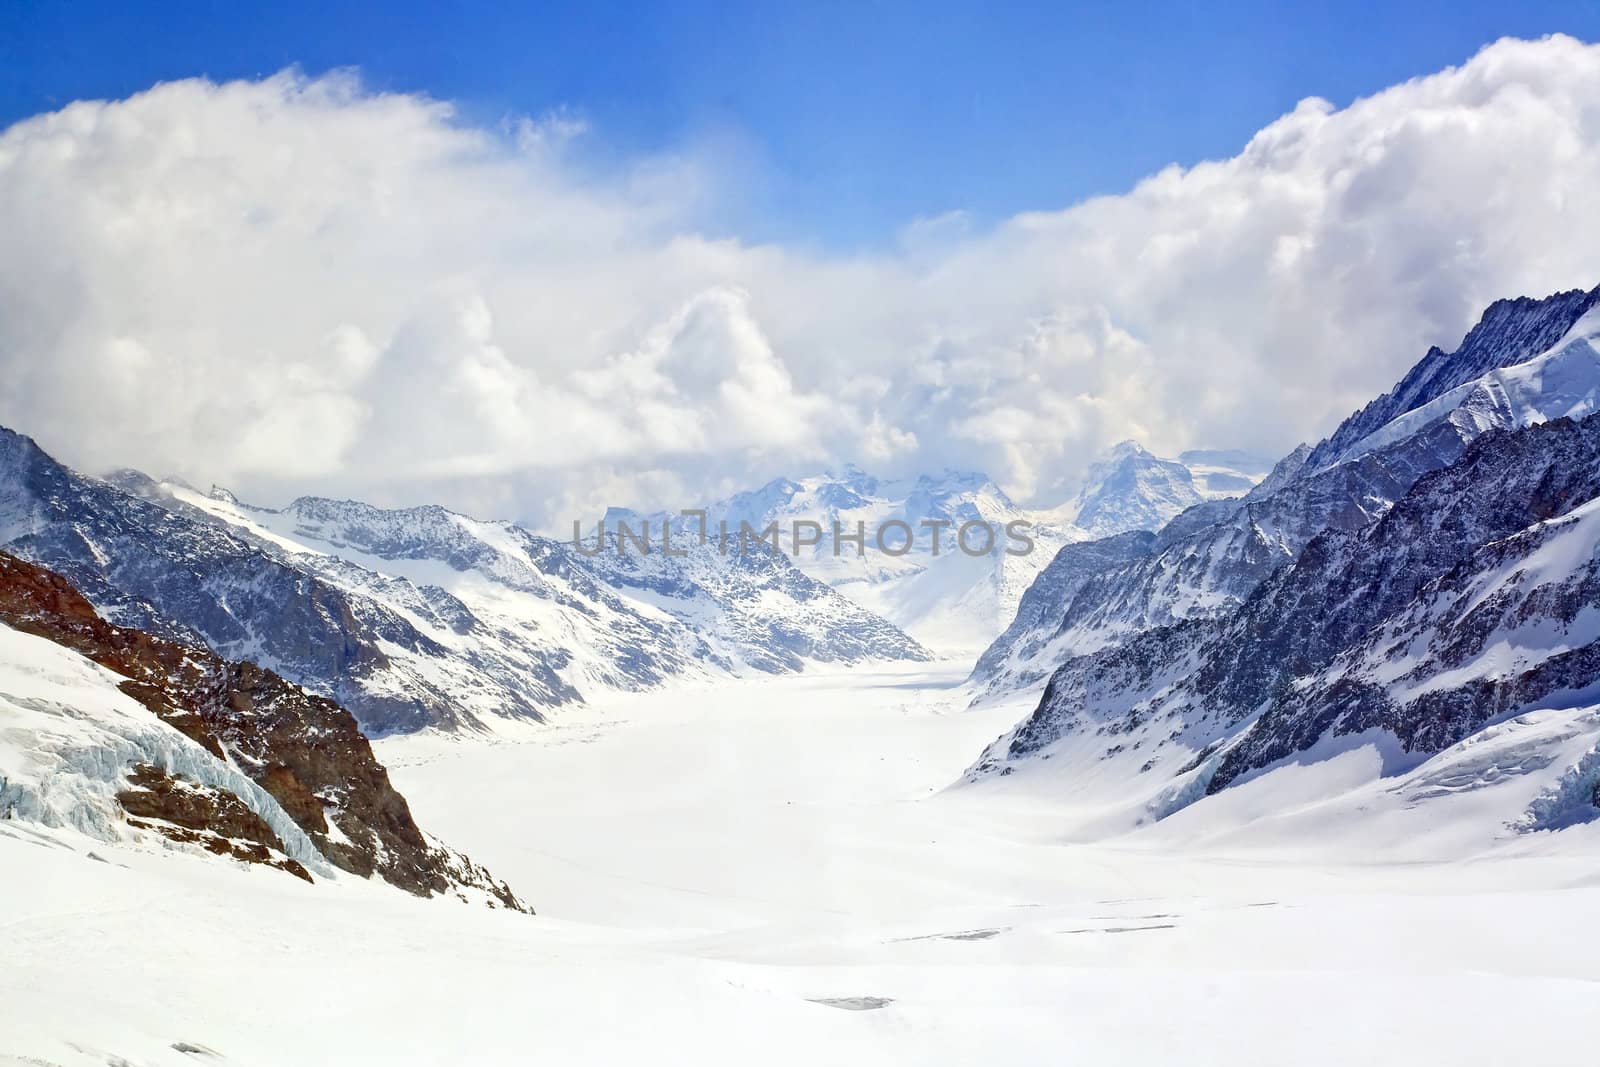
296, 284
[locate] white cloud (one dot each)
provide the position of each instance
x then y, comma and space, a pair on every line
299, 285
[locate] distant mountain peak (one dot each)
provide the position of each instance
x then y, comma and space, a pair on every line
1129, 488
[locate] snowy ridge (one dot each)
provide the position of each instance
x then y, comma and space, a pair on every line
940, 595
613, 620
1130, 489
1510, 332
1562, 382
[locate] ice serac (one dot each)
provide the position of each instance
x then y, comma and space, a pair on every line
303, 751
1211, 558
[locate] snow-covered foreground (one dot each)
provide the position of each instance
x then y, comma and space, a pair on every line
774, 872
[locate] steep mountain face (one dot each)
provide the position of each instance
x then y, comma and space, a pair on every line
1204, 563
1473, 600
194, 582
1437, 577
315, 774
757, 607
1509, 332
625, 620
1476, 597
413, 617
1021, 656
1211, 558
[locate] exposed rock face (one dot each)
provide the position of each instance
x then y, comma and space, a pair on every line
933, 590
304, 750
146, 567
1020, 656
819, 625
1424, 574
1213, 556
1392, 627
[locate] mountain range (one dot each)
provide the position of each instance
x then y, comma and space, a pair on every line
1427, 573
417, 617
1422, 585
954, 600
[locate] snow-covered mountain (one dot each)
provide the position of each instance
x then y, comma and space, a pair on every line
1427, 581
950, 598
1130, 489
420, 616
1508, 333
1208, 560
1472, 602
125, 736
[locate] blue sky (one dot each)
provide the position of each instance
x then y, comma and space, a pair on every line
842, 122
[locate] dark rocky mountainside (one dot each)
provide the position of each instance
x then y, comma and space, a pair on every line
1207, 561
1439, 577
304, 750
1385, 628
1019, 656
195, 583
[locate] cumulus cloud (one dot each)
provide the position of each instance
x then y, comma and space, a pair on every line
297, 284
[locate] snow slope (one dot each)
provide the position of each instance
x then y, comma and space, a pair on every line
947, 599
1474, 600
772, 872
